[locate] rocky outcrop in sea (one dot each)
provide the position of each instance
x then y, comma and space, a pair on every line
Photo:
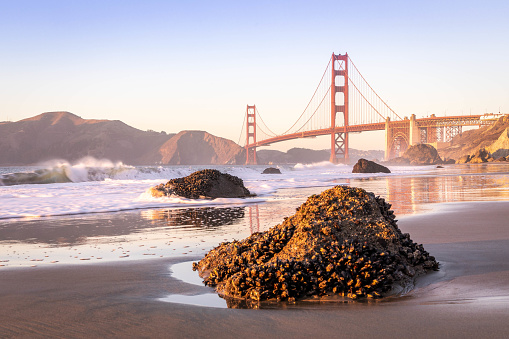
204, 184
344, 242
271, 170
368, 166
420, 154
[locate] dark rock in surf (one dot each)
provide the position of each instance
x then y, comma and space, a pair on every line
367, 166
205, 184
271, 170
344, 241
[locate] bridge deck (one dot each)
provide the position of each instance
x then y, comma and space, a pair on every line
460, 120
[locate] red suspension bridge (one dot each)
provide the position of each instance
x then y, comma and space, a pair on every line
344, 103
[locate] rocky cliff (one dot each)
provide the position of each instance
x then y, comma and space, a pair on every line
472, 142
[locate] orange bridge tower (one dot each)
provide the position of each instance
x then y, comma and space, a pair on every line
250, 134
339, 135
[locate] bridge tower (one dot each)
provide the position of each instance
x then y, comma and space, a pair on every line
250, 134
339, 138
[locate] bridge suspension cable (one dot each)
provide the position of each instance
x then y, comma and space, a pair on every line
271, 134
360, 74
327, 70
367, 106
242, 131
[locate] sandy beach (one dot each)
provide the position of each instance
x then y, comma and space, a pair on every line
468, 297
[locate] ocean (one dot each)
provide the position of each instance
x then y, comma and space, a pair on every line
98, 211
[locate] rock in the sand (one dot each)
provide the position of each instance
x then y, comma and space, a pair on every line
344, 241
204, 184
271, 170
368, 166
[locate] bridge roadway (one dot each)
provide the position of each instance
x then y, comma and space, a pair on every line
429, 122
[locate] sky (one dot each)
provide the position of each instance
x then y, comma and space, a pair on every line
195, 65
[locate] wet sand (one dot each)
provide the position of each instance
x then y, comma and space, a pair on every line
468, 297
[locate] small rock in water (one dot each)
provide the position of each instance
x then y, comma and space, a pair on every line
368, 166
204, 184
271, 170
344, 241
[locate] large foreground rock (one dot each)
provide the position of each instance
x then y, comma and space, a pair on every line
205, 184
367, 166
344, 241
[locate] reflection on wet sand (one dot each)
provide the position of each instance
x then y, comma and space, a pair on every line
69, 231
409, 195
66, 231
199, 217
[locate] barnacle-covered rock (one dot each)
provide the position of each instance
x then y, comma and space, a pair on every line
344, 241
204, 184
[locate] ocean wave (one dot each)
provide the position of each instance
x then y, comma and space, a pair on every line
89, 169
61, 171
92, 186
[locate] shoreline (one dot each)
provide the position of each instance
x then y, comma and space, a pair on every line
468, 297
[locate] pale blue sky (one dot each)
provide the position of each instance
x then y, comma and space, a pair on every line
176, 65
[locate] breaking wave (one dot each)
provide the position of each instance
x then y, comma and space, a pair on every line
61, 171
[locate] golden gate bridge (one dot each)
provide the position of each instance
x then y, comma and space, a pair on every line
343, 103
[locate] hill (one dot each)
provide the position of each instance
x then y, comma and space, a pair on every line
63, 135
200, 148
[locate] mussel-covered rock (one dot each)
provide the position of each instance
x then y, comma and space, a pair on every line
344, 241
208, 184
